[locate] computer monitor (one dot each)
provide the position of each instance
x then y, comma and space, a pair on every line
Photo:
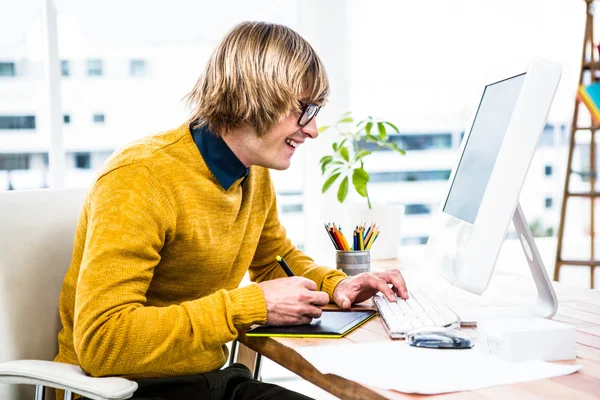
483, 190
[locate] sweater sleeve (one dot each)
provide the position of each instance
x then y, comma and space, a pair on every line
274, 241
130, 218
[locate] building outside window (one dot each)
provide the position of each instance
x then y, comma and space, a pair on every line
414, 142
417, 209
67, 119
65, 68
292, 208
548, 202
11, 122
83, 160
9, 162
548, 170
98, 118
414, 240
94, 67
410, 176
137, 68
7, 69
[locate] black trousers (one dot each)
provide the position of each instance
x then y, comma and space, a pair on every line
234, 382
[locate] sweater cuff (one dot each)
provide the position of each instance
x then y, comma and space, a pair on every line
330, 283
249, 306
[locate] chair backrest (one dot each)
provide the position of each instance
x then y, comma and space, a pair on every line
37, 229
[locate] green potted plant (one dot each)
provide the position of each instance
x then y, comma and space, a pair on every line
354, 143
349, 153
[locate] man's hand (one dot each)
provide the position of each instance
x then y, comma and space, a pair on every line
292, 301
361, 287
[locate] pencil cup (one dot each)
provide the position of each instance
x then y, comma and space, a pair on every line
353, 262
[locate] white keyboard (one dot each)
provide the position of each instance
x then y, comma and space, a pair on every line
419, 311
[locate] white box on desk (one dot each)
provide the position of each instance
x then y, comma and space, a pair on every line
524, 339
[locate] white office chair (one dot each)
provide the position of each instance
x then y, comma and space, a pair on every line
37, 229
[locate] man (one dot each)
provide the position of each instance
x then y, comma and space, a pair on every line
174, 221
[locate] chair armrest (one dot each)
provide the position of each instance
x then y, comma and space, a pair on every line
66, 377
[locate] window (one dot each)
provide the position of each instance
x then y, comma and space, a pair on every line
547, 138
410, 176
94, 67
64, 68
7, 69
137, 68
548, 202
83, 160
548, 170
17, 122
415, 142
414, 240
66, 119
14, 161
417, 209
292, 208
98, 118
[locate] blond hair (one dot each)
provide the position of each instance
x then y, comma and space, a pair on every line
255, 77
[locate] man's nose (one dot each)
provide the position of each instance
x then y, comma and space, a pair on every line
311, 129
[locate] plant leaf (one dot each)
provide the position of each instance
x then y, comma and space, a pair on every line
368, 128
324, 128
360, 173
381, 128
359, 181
335, 146
324, 166
343, 190
392, 126
344, 153
362, 153
329, 182
395, 147
326, 158
347, 119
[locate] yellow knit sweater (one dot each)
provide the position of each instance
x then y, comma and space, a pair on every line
160, 250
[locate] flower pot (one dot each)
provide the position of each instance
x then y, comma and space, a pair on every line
388, 217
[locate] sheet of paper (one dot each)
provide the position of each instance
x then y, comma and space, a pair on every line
398, 366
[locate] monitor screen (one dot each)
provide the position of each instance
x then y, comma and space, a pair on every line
481, 150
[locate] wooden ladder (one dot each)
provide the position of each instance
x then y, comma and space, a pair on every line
587, 75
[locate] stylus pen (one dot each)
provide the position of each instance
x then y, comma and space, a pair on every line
284, 265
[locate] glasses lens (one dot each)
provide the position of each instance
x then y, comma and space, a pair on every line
309, 113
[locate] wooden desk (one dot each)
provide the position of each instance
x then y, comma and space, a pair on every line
579, 308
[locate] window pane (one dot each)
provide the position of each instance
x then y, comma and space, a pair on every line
66, 119
98, 118
410, 176
14, 122
94, 67
14, 161
7, 69
137, 68
64, 68
83, 160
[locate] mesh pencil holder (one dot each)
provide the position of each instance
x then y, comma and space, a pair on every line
353, 262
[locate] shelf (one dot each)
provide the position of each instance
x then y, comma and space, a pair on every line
583, 263
593, 65
588, 128
584, 194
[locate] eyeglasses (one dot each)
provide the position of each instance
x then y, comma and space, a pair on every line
309, 111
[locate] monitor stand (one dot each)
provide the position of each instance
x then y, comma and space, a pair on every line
546, 303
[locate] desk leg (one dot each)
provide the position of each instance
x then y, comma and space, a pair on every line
250, 359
